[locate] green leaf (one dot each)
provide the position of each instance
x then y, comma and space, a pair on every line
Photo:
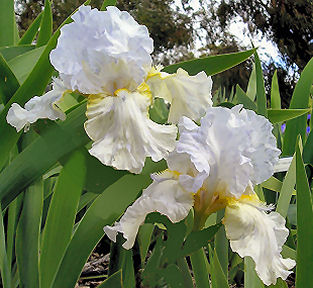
30, 33
53, 144
150, 274
275, 185
183, 266
199, 239
281, 115
28, 236
251, 89
279, 284
308, 150
275, 96
61, 217
45, 31
221, 245
251, 279
35, 84
159, 111
95, 182
219, 279
199, 263
211, 65
114, 280
287, 190
103, 211
173, 276
10, 52
107, 3
7, 22
13, 214
242, 98
300, 100
8, 82
5, 270
23, 64
144, 237
260, 90
304, 225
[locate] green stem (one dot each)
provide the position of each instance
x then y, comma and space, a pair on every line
199, 267
183, 265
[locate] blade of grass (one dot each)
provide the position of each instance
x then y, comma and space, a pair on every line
199, 264
275, 96
23, 64
42, 154
299, 100
251, 279
5, 268
260, 90
304, 225
104, 211
114, 280
107, 3
8, 81
30, 34
10, 52
211, 65
219, 279
45, 30
7, 22
221, 245
243, 99
28, 236
281, 115
287, 190
251, 89
61, 217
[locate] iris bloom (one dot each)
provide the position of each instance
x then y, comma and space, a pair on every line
215, 166
105, 55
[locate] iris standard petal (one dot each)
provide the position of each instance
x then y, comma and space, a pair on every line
255, 233
233, 146
189, 96
122, 133
165, 195
98, 42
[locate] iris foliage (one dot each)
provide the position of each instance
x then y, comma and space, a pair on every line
56, 198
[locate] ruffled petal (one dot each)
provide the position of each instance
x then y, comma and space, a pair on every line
252, 232
234, 147
98, 42
165, 195
43, 107
189, 96
122, 132
262, 149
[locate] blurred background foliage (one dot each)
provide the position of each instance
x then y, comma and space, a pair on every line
183, 29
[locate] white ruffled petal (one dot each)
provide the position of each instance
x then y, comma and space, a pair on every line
123, 134
262, 148
43, 107
165, 196
252, 232
234, 147
102, 51
189, 96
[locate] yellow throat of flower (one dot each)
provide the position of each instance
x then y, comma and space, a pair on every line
205, 204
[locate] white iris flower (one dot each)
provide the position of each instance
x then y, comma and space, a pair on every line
105, 55
215, 166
